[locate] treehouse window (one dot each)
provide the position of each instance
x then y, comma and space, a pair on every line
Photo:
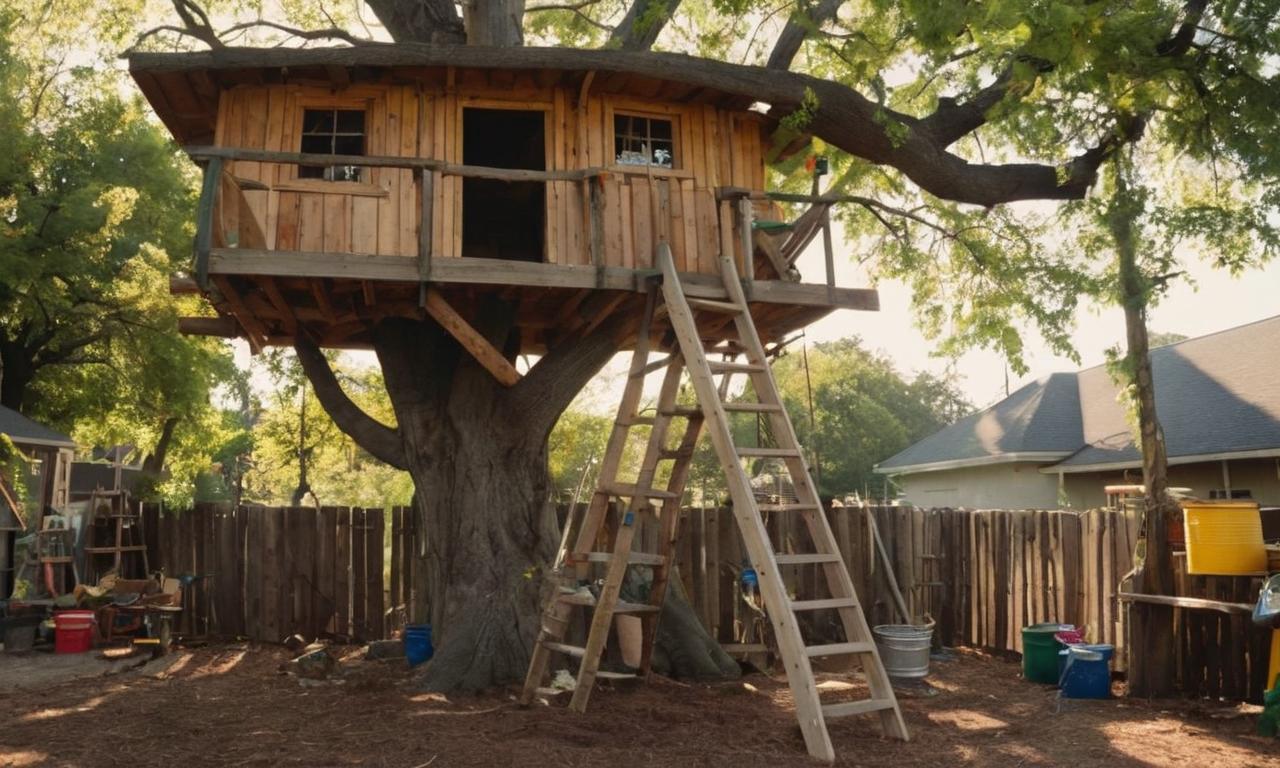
332, 132
641, 140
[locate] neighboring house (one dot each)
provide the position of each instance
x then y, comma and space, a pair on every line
1060, 440
45, 475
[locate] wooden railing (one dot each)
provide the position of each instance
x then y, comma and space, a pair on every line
214, 159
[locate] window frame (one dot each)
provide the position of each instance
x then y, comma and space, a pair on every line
372, 180
680, 167
362, 172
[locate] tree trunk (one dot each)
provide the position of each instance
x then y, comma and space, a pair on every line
16, 373
154, 463
478, 459
1151, 626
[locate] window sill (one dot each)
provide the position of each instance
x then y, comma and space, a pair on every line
356, 188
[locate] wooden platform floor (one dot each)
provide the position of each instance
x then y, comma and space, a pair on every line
268, 296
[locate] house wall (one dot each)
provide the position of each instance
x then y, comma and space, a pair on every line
641, 206
1261, 477
993, 486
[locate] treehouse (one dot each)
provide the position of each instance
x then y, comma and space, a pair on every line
346, 185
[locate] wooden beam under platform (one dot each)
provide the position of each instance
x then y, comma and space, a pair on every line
245, 261
470, 339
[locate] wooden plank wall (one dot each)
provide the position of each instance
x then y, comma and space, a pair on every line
282, 571
641, 206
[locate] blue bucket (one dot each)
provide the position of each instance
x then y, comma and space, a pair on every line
1088, 672
1102, 648
417, 643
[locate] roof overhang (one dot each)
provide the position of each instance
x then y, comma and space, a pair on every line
1024, 457
1196, 458
183, 87
42, 443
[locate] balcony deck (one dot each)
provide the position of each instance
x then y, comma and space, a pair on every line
268, 295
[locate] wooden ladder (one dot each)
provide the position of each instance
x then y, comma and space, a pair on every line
781, 608
573, 563
691, 354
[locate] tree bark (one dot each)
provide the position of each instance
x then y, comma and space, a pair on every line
1151, 626
804, 21
16, 373
154, 463
645, 20
477, 453
494, 22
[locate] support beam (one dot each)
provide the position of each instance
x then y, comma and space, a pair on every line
222, 327
470, 339
183, 286
254, 330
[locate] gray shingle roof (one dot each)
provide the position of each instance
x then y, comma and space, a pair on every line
1217, 394
1041, 418
20, 429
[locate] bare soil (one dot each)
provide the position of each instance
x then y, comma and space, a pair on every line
231, 706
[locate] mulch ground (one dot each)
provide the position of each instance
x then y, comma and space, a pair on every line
230, 706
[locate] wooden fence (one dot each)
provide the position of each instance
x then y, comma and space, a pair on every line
980, 575
273, 572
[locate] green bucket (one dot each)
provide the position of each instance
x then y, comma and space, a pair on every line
1040, 652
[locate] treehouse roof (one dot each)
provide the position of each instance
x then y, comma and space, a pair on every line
184, 88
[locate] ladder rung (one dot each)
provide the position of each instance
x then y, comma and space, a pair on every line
656, 365
711, 305
622, 606
839, 649
848, 708
687, 411
770, 452
629, 490
786, 507
636, 421
569, 650
805, 559
717, 366
112, 550
753, 407
633, 558
603, 675
818, 605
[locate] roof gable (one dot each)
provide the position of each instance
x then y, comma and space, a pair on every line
1040, 418
22, 430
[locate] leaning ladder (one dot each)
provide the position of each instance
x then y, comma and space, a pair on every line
573, 563
796, 654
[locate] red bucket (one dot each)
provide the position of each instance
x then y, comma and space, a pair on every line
73, 631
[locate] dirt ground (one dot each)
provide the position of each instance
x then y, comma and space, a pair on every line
230, 706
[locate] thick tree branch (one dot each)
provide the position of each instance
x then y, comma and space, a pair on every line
644, 21
806, 19
838, 114
422, 21
1182, 38
543, 394
378, 439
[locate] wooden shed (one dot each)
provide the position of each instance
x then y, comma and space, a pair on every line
345, 185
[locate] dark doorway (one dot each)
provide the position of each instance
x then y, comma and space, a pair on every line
503, 220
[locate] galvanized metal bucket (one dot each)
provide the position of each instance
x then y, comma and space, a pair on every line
904, 648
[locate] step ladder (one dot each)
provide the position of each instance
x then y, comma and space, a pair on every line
573, 563
690, 353
125, 542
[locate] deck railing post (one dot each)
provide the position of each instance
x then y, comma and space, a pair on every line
827, 248
426, 188
204, 219
595, 225
748, 249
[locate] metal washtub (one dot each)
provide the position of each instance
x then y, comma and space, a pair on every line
904, 648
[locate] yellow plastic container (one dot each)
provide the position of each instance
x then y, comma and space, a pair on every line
1224, 538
